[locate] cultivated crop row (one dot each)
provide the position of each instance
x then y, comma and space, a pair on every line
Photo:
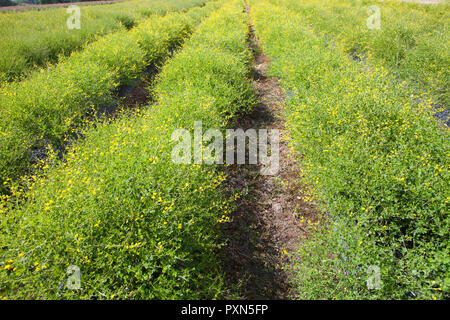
43, 109
410, 40
133, 222
31, 39
376, 163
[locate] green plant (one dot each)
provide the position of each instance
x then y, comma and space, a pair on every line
135, 223
46, 108
376, 162
414, 52
31, 39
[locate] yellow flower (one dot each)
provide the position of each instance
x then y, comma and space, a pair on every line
180, 226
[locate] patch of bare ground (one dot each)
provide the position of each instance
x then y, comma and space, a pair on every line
128, 98
264, 232
137, 95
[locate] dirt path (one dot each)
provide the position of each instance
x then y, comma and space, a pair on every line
264, 230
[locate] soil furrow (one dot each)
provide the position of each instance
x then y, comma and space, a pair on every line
264, 232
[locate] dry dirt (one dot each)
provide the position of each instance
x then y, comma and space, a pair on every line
264, 233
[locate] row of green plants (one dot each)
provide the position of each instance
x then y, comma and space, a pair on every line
48, 107
136, 224
32, 39
376, 163
411, 42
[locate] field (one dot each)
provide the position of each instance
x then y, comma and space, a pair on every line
32, 39
118, 180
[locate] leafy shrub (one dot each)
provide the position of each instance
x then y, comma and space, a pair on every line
5, 3
411, 42
377, 163
127, 21
44, 109
135, 223
32, 39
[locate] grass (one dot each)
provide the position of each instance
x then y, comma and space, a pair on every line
135, 223
376, 162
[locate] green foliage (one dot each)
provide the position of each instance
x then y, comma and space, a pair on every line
127, 21
4, 3
32, 39
135, 223
377, 163
412, 41
45, 108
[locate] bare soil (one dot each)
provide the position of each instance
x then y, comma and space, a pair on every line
265, 232
138, 95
